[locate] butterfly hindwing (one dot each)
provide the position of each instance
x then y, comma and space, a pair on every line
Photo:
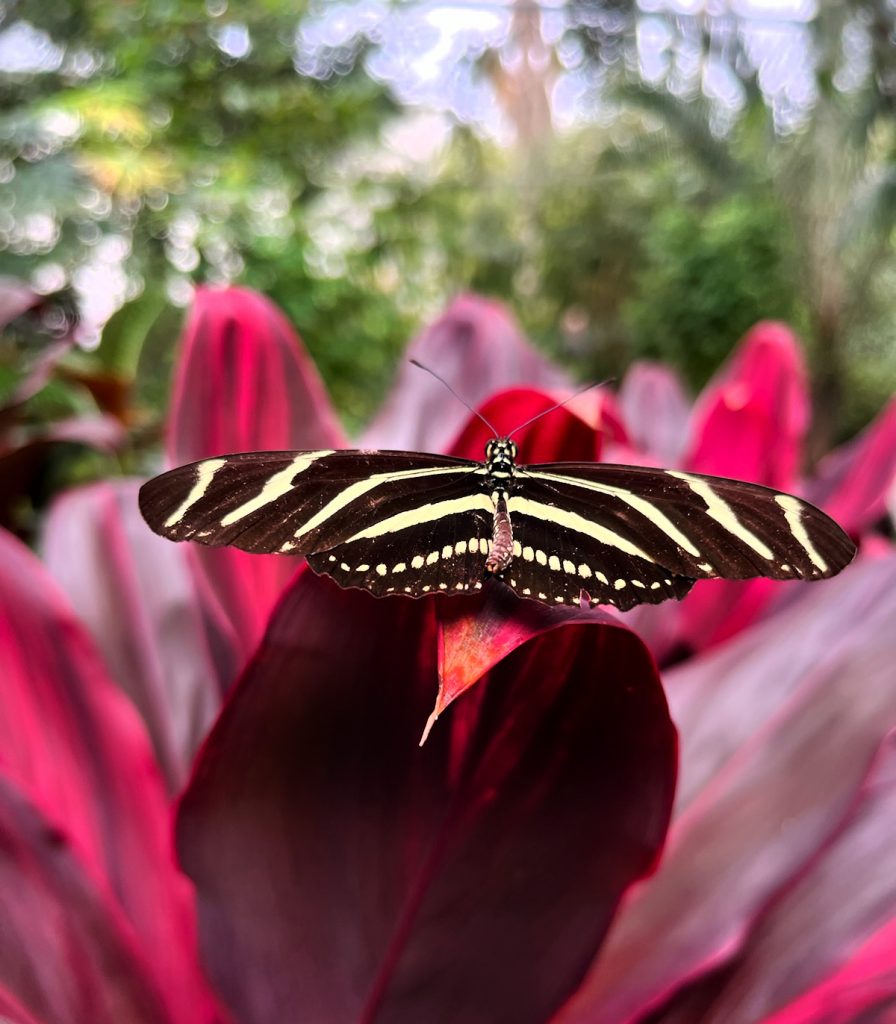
558, 568
446, 555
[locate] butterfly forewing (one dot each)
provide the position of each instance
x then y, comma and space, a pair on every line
415, 524
385, 521
634, 518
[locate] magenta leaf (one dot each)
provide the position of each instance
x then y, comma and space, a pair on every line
749, 423
479, 349
574, 433
163, 636
760, 792
751, 419
863, 989
655, 410
344, 873
73, 752
853, 481
244, 383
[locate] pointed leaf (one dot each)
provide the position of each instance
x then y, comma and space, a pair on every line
853, 481
476, 633
749, 423
478, 348
244, 383
751, 419
163, 636
574, 433
354, 876
655, 411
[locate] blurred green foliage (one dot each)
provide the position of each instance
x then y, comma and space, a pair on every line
709, 275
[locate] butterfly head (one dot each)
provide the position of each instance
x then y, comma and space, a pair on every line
500, 456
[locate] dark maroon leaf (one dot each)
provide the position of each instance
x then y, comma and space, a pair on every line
345, 874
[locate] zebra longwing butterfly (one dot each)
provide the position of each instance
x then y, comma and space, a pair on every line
407, 523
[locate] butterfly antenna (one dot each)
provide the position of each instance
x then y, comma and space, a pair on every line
456, 395
559, 405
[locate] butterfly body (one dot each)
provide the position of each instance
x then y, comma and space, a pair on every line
414, 524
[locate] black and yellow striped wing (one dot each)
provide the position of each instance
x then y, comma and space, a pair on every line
389, 522
415, 524
630, 535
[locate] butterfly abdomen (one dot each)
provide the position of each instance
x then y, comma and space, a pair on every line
501, 552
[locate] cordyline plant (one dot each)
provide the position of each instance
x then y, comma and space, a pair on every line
342, 873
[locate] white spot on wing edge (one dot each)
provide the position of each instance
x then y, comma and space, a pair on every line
275, 487
793, 513
205, 473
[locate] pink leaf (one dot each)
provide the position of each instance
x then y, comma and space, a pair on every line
655, 411
162, 635
478, 348
760, 791
842, 897
75, 749
244, 383
353, 876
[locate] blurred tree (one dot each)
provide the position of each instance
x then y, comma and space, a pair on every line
178, 141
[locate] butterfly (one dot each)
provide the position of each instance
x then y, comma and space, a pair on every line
415, 524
